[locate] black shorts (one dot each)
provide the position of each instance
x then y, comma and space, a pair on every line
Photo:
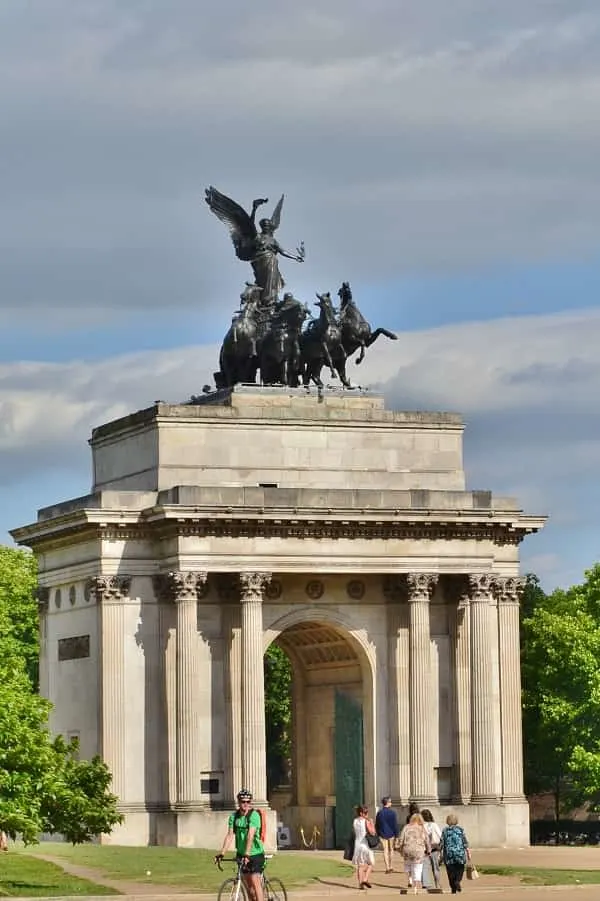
256, 864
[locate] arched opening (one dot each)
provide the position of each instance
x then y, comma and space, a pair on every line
319, 726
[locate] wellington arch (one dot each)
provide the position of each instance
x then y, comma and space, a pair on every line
325, 523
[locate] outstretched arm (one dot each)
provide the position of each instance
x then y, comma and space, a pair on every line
299, 256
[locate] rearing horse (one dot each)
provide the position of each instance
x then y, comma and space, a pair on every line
356, 331
321, 345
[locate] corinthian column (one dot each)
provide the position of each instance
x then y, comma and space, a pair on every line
508, 593
419, 589
109, 592
460, 633
254, 743
183, 588
485, 752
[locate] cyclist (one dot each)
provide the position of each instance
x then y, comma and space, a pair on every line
243, 827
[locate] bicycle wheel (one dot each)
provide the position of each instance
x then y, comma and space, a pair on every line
232, 890
275, 890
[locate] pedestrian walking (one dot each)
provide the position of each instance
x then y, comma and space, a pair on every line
386, 827
455, 852
414, 846
363, 857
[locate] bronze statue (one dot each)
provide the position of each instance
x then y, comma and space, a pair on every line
267, 333
260, 249
321, 345
356, 331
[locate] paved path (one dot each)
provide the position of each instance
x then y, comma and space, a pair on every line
489, 887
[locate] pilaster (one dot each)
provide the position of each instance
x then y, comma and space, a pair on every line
254, 771
110, 593
508, 592
460, 637
183, 589
419, 590
484, 749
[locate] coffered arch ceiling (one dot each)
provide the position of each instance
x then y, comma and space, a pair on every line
316, 645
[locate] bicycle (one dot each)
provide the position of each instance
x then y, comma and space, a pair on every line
233, 889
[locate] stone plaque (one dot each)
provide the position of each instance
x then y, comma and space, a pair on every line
75, 648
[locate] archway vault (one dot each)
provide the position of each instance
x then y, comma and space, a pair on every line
332, 660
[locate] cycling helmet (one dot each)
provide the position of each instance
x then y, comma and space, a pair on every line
244, 795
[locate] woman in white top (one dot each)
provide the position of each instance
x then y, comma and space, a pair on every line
431, 870
363, 858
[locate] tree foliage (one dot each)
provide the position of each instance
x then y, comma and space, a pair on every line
561, 691
278, 714
18, 608
44, 787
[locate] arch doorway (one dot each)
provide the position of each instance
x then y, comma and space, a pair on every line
331, 748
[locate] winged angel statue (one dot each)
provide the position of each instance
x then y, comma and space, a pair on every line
259, 248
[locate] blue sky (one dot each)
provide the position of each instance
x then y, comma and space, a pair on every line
442, 157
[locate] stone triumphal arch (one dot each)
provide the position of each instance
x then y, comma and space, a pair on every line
323, 522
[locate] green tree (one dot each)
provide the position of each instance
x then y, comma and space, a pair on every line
44, 787
18, 608
561, 693
278, 714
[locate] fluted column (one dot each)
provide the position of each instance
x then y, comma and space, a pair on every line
394, 590
508, 592
254, 744
460, 635
43, 600
419, 589
183, 589
109, 593
484, 748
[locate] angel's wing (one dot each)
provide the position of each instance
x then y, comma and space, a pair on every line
276, 214
240, 225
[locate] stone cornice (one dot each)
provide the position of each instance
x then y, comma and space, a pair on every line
503, 529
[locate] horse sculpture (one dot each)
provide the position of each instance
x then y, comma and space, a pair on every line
321, 344
238, 360
356, 331
279, 353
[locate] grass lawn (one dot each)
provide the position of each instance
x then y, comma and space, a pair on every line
540, 876
190, 868
21, 874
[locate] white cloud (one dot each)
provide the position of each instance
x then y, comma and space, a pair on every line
528, 389
408, 136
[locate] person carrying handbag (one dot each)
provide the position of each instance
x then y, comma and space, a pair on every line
455, 852
414, 846
363, 857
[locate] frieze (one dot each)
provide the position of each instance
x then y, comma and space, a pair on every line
368, 531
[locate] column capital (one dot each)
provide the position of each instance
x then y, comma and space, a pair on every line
409, 587
480, 588
107, 588
420, 587
42, 595
509, 590
177, 586
252, 585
